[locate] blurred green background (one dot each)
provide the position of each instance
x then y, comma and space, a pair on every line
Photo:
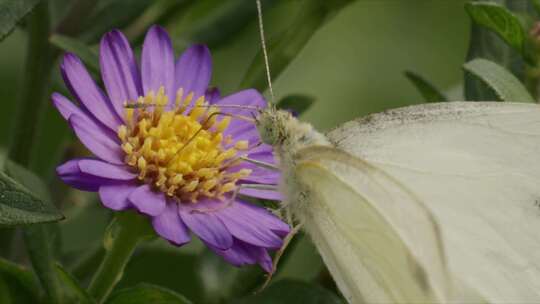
353, 65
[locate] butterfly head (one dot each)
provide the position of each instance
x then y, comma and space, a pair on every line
272, 125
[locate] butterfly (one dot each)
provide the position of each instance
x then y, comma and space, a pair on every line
422, 204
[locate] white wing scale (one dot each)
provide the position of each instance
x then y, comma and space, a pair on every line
359, 218
476, 168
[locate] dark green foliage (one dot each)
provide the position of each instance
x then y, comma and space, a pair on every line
11, 13
20, 206
87, 55
292, 292
297, 103
425, 88
146, 293
502, 22
506, 86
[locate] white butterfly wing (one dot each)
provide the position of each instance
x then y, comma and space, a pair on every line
476, 167
360, 220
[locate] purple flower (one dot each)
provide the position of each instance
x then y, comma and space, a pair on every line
164, 148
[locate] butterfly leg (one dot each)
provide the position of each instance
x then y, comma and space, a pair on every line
286, 241
260, 163
252, 186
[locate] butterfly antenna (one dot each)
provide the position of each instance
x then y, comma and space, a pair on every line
265, 53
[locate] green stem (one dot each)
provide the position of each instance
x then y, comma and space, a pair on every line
39, 61
121, 239
39, 247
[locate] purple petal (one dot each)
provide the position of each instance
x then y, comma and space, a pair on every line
158, 62
242, 130
83, 87
261, 148
70, 174
240, 133
264, 259
96, 139
115, 196
212, 95
119, 70
208, 227
264, 194
244, 228
249, 97
169, 225
67, 108
102, 169
205, 205
262, 216
147, 201
193, 70
258, 174
239, 254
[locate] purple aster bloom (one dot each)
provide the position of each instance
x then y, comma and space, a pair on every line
161, 148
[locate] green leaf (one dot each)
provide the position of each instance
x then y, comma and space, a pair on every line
536, 5
73, 292
501, 21
292, 292
11, 12
27, 178
146, 293
19, 206
503, 83
21, 276
87, 55
484, 43
11, 292
40, 250
297, 103
282, 49
428, 90
212, 21
112, 14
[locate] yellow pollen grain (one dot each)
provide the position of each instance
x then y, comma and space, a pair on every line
198, 111
241, 145
129, 115
223, 124
122, 132
127, 147
228, 187
179, 97
180, 152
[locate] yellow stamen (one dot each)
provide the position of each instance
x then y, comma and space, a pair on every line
241, 145
179, 152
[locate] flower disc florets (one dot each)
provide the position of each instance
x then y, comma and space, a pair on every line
181, 152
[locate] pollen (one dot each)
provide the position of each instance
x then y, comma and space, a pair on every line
181, 150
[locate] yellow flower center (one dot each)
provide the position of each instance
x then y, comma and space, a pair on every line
180, 152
